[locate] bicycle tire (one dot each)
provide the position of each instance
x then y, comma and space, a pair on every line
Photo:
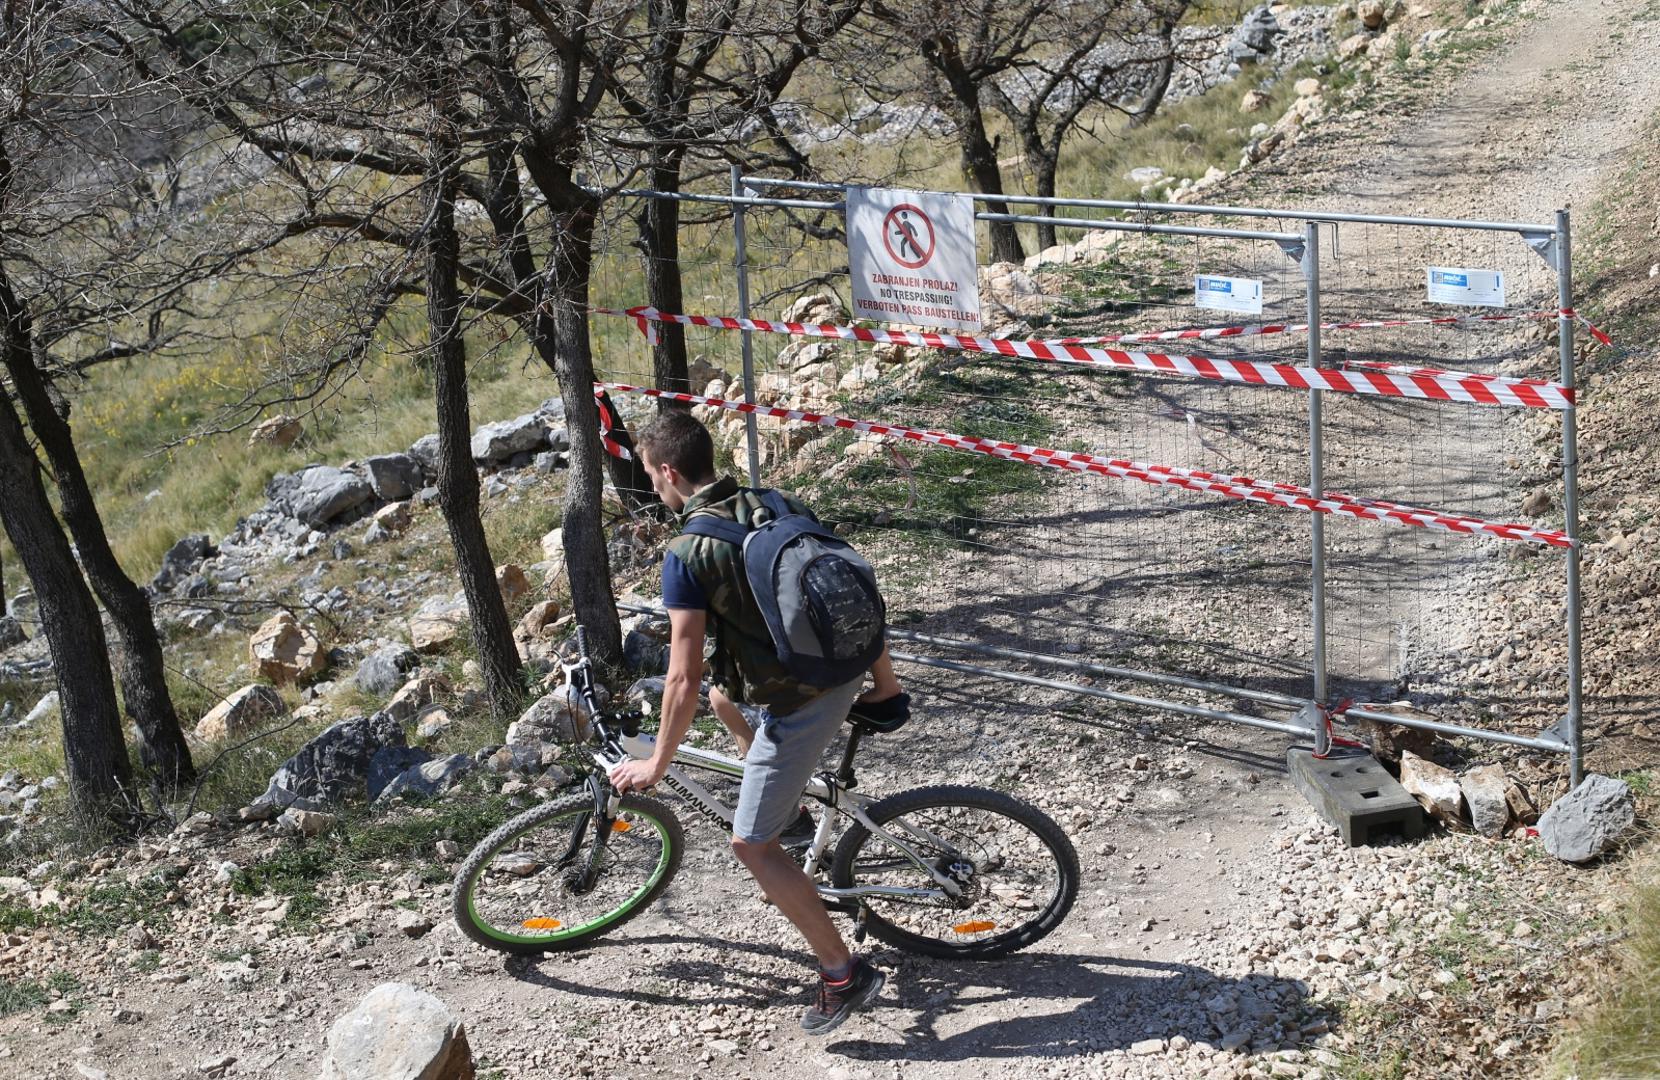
538, 911
951, 929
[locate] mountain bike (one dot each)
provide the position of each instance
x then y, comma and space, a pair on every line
946, 871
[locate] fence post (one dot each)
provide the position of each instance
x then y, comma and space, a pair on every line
1570, 493
1317, 487
740, 258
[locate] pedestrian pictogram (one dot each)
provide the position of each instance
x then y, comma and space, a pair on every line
908, 234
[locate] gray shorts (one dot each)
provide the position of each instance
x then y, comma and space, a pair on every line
783, 757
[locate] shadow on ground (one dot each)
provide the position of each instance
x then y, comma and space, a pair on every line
1037, 1005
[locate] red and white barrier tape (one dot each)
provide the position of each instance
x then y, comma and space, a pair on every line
1211, 333
1389, 381
1244, 488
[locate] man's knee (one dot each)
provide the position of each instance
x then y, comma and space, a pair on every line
750, 852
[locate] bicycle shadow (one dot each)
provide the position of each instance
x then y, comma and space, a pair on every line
1049, 1005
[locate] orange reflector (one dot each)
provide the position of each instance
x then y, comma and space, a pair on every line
974, 927
620, 826
542, 924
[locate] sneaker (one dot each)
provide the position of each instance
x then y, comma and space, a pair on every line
800, 832
836, 1000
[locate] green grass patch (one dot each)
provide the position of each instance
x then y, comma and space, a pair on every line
19, 995
358, 845
1621, 1037
109, 910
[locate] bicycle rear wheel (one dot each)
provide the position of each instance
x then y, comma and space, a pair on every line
1017, 870
540, 884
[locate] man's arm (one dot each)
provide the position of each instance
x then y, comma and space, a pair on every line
680, 691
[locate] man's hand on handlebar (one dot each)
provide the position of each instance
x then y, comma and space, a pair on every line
636, 775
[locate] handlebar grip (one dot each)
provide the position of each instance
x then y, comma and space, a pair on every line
582, 641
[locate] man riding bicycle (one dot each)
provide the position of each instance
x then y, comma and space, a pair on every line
704, 585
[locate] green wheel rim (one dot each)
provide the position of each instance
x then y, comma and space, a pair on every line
604, 919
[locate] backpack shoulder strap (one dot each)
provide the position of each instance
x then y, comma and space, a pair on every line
715, 528
775, 502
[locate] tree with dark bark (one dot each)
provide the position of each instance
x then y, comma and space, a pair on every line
1046, 96
457, 478
95, 755
963, 48
692, 99
73, 230
143, 669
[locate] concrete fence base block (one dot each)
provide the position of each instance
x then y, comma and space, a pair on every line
1351, 790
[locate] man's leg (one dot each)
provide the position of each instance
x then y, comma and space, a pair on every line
885, 682
792, 892
729, 714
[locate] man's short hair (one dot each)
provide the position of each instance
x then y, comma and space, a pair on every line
677, 438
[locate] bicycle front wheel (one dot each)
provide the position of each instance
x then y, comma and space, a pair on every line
542, 882
1017, 871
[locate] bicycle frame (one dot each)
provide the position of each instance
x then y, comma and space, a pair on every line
823, 787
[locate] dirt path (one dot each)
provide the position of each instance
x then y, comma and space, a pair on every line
1214, 911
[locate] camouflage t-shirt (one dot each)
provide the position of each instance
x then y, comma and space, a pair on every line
743, 662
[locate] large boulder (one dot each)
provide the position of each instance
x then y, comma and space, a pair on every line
391, 762
242, 712
331, 767
319, 494
540, 616
429, 779
181, 560
1433, 786
1254, 39
398, 1033
425, 451
497, 442
383, 670
559, 717
645, 653
439, 622
393, 477
286, 652
1587, 821
415, 695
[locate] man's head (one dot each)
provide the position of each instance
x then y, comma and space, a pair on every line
679, 456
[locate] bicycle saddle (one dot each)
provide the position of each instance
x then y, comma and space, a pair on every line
881, 717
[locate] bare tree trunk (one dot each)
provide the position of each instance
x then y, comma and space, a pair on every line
457, 478
1043, 178
142, 670
95, 756
979, 156
663, 284
589, 563
505, 206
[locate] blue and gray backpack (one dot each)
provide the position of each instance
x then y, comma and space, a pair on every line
817, 596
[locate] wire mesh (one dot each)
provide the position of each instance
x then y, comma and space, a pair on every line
1122, 573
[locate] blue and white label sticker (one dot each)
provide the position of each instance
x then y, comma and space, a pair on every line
1463, 286
1243, 295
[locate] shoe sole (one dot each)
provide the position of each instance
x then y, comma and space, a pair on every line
853, 1006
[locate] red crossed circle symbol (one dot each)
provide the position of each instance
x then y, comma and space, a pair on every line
908, 234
